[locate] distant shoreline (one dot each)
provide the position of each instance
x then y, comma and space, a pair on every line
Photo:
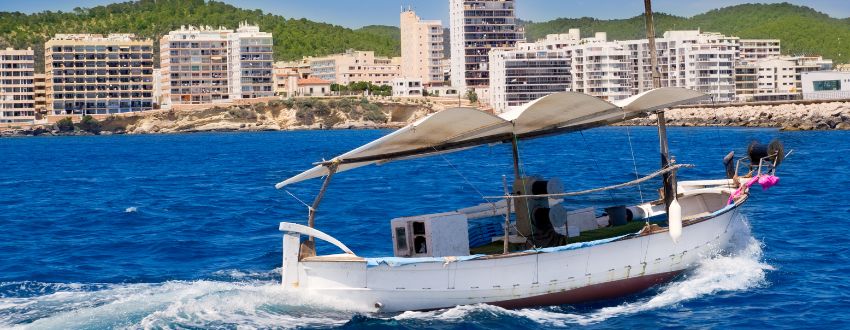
800, 116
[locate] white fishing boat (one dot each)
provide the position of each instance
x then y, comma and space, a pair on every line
544, 254
539, 253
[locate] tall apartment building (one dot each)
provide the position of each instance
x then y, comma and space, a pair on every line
754, 49
421, 49
527, 73
355, 66
205, 65
17, 94
96, 74
193, 66
40, 88
250, 66
602, 68
775, 78
477, 26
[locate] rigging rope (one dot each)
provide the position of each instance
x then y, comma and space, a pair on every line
665, 170
298, 199
634, 162
464, 178
595, 163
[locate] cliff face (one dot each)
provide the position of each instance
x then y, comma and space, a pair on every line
791, 117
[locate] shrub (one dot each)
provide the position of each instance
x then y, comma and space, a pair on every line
373, 113
89, 124
65, 125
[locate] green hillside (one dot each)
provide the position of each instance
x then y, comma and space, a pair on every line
802, 30
293, 38
382, 30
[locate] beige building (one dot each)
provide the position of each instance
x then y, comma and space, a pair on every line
193, 66
202, 65
754, 49
355, 66
775, 78
421, 49
17, 94
96, 74
40, 93
313, 87
286, 75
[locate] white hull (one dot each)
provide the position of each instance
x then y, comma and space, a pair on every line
521, 279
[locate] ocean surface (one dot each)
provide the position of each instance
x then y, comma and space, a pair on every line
180, 231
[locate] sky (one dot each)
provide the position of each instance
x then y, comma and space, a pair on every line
357, 13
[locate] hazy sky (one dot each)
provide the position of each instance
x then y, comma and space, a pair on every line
356, 13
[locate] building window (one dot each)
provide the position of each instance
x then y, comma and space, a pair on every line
827, 85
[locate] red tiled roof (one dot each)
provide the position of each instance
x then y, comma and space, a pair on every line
313, 81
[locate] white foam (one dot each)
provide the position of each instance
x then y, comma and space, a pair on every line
175, 304
131, 209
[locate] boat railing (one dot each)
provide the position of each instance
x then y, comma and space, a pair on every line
289, 228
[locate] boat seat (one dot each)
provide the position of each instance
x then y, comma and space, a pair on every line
342, 257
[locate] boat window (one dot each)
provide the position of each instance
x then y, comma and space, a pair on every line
419, 245
418, 228
401, 238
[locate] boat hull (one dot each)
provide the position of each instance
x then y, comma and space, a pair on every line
517, 280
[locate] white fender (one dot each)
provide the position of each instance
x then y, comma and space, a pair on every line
674, 220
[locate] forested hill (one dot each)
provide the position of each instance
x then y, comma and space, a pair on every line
293, 38
802, 30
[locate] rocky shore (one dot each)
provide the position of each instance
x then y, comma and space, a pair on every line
789, 116
340, 113
352, 113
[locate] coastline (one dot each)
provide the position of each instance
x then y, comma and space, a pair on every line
786, 116
354, 113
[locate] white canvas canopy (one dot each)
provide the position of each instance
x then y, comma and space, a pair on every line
458, 128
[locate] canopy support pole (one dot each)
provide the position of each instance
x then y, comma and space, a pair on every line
311, 218
515, 150
508, 202
669, 178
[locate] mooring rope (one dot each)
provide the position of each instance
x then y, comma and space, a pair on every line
668, 169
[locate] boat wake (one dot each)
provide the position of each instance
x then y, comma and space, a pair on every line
256, 300
253, 300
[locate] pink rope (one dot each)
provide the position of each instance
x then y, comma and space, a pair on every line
765, 180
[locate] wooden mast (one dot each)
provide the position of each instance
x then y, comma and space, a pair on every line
311, 218
670, 177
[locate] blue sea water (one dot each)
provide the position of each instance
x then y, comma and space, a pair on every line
180, 231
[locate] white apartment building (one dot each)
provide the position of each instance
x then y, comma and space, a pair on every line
206, 65
775, 78
92, 74
421, 49
527, 73
477, 26
615, 70
755, 49
17, 87
355, 66
601, 68
404, 87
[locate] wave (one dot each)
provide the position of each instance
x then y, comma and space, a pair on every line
257, 300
